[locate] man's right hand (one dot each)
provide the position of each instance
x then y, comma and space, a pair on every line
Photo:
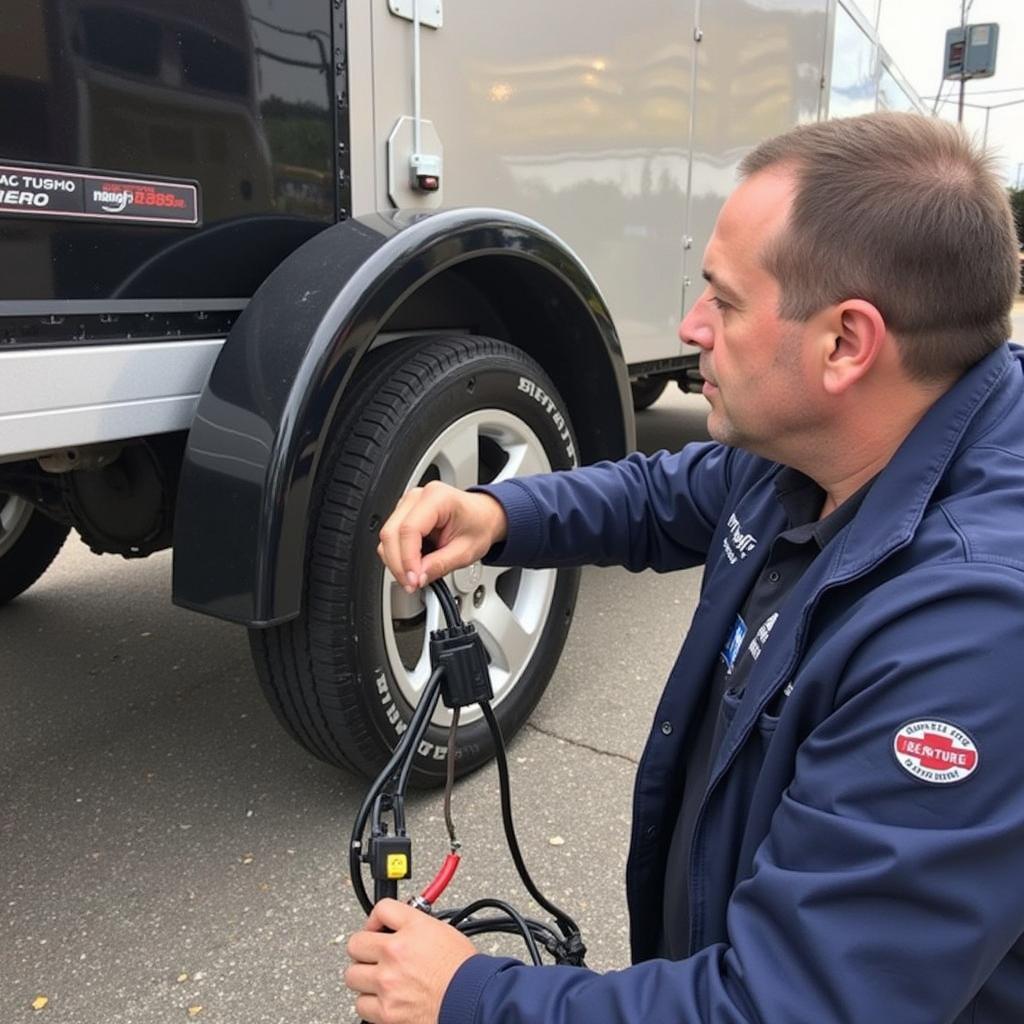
462, 527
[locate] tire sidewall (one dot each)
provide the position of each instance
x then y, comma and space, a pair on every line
31, 554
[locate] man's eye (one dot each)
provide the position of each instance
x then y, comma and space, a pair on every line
719, 303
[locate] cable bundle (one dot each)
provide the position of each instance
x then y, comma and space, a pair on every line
460, 675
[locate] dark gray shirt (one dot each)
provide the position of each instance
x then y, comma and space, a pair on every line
791, 554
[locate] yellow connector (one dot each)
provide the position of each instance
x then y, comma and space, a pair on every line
398, 865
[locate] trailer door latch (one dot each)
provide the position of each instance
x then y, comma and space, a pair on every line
425, 172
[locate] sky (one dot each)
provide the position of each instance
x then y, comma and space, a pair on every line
914, 31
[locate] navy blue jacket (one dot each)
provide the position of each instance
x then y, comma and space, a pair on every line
880, 867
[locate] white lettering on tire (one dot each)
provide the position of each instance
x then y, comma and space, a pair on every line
545, 401
433, 751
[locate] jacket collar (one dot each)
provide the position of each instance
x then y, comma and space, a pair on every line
895, 504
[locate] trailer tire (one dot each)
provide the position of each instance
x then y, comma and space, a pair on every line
646, 391
29, 543
344, 676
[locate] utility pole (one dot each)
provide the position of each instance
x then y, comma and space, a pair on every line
963, 78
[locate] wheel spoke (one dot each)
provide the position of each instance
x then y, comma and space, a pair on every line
523, 460
504, 637
419, 675
490, 574
403, 605
459, 458
15, 513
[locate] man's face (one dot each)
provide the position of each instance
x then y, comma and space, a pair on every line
758, 369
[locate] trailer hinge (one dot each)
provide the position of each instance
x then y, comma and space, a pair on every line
342, 158
698, 34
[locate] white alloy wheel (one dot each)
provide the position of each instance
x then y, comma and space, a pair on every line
509, 607
15, 514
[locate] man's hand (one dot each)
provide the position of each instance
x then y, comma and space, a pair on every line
462, 526
401, 978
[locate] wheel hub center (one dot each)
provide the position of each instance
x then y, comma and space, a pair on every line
468, 578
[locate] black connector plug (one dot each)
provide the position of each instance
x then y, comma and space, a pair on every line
571, 950
460, 651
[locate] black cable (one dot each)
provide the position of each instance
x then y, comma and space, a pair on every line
448, 606
412, 735
456, 919
421, 725
565, 922
542, 932
387, 793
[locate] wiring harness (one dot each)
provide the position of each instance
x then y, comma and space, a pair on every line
460, 677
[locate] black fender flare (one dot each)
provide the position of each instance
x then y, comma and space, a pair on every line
264, 416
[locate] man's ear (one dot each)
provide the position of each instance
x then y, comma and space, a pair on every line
857, 339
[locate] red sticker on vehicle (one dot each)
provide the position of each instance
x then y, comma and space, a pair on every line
935, 751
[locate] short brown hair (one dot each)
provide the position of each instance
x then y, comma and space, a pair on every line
902, 211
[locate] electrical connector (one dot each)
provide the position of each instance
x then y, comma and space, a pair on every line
390, 857
571, 950
466, 679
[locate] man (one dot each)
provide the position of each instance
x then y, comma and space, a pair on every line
829, 815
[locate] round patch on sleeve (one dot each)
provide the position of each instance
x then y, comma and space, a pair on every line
935, 752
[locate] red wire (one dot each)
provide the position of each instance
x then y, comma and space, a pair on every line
441, 879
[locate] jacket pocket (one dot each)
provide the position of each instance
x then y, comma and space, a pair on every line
731, 701
766, 724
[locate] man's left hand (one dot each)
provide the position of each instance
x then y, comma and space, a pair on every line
401, 977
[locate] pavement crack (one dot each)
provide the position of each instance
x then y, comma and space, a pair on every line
584, 746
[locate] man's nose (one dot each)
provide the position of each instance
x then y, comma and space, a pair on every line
695, 328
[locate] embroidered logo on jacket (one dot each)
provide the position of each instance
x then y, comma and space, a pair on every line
761, 637
737, 544
935, 752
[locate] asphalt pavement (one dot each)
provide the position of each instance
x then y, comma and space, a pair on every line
168, 854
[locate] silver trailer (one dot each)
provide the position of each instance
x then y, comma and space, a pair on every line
266, 266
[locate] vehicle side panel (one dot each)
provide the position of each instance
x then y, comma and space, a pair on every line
583, 122
233, 94
576, 115
752, 82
